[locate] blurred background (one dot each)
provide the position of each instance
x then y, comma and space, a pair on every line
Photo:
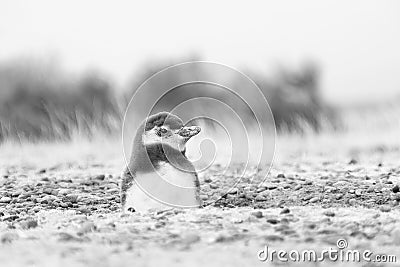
69, 68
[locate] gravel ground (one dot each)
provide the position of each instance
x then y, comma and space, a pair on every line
67, 214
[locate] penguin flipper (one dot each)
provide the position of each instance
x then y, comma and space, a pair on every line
126, 183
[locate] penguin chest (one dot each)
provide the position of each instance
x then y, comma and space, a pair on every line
166, 187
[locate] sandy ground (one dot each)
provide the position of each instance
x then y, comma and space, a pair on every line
60, 207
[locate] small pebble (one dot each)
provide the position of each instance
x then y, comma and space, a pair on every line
285, 211
297, 187
260, 198
371, 189
100, 177
385, 208
257, 214
272, 221
396, 189
5, 200
64, 191
213, 186
113, 191
207, 180
47, 190
340, 184
221, 238
29, 224
237, 220
36, 209
203, 197
10, 218
83, 210
352, 162
273, 238
233, 191
329, 213
73, 198
260, 189
352, 201
358, 192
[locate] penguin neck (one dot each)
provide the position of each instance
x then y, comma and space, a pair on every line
147, 157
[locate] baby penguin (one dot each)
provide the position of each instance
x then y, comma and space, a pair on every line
159, 175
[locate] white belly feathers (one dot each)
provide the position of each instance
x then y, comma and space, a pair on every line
167, 187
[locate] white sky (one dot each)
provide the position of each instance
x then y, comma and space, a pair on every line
357, 43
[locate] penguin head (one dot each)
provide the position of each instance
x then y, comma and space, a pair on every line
166, 128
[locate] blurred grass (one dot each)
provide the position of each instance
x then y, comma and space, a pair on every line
295, 100
39, 101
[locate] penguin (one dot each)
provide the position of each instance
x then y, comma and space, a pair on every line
159, 175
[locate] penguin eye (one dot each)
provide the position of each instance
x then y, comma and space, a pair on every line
160, 131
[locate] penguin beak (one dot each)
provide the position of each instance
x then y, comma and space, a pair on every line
189, 131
